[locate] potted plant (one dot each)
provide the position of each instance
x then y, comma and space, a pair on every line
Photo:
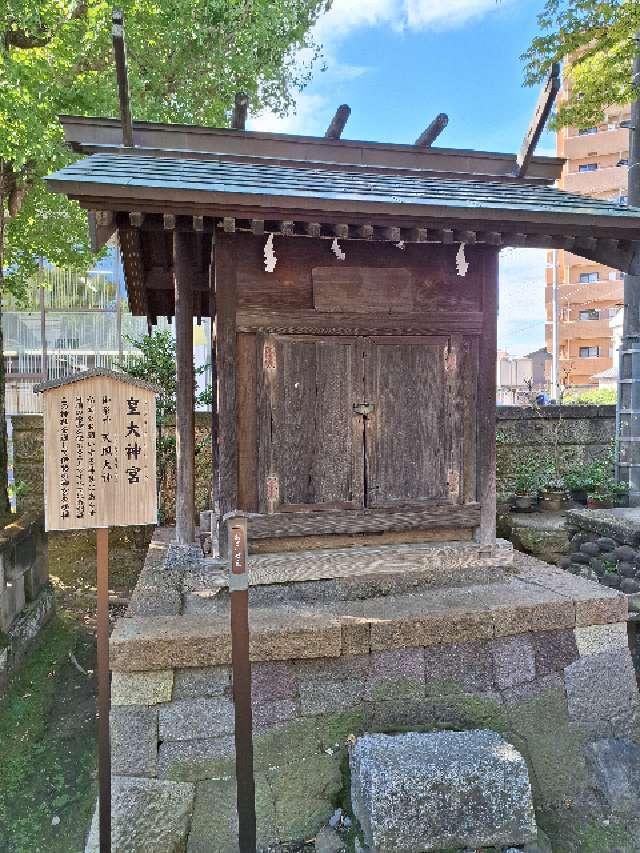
606, 494
554, 496
579, 481
526, 481
604, 491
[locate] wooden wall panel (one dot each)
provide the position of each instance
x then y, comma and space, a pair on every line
432, 268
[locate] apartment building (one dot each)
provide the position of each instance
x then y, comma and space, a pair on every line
589, 294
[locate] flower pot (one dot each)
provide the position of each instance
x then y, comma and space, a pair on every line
524, 503
599, 503
553, 500
579, 496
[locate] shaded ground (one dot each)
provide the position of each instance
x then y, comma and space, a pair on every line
48, 717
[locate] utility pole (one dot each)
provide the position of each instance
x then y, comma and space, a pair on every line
555, 330
629, 370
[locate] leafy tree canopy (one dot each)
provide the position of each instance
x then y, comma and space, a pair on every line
186, 61
597, 40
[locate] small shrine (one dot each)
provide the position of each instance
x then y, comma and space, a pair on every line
353, 292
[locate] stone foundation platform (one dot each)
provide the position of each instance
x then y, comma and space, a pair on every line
526, 650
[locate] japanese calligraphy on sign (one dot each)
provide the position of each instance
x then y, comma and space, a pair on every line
100, 453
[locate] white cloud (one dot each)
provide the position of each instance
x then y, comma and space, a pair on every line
348, 15
311, 117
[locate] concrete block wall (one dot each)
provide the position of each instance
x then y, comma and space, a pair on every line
584, 433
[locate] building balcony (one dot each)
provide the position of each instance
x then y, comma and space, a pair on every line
608, 181
591, 331
601, 294
603, 142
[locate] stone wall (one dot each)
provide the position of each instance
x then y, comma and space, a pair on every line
583, 434
540, 657
26, 599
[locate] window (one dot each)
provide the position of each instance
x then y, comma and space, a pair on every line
588, 277
615, 275
587, 131
590, 314
625, 123
589, 352
623, 161
588, 167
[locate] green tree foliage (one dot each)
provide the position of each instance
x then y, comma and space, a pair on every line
597, 40
186, 61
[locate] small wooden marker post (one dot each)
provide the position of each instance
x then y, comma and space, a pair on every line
100, 471
241, 672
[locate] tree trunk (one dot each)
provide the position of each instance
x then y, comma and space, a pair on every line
5, 508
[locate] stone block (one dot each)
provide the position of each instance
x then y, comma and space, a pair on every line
356, 636
601, 609
590, 549
625, 553
593, 639
215, 822
459, 711
602, 687
417, 792
626, 570
630, 586
597, 566
398, 673
458, 668
141, 688
267, 714
616, 767
513, 661
195, 760
554, 650
202, 681
324, 695
134, 741
579, 557
304, 794
146, 814
272, 681
605, 543
189, 719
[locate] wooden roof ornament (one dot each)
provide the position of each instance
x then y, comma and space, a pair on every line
240, 110
432, 131
539, 119
338, 122
122, 74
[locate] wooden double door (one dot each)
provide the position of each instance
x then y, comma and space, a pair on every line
359, 422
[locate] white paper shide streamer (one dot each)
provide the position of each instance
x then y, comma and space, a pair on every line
270, 259
337, 251
461, 262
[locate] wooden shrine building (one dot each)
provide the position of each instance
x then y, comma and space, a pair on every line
354, 291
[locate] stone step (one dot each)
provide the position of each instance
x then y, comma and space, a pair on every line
538, 598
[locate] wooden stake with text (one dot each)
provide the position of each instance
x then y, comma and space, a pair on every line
102, 631
241, 670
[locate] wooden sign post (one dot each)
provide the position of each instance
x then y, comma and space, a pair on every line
241, 674
100, 471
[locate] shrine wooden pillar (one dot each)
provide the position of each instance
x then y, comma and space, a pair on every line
184, 255
486, 423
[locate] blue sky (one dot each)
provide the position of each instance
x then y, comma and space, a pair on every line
398, 63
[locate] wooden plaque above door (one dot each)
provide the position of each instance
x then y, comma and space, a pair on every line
355, 289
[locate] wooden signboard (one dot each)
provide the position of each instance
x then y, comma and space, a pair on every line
100, 456
100, 472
